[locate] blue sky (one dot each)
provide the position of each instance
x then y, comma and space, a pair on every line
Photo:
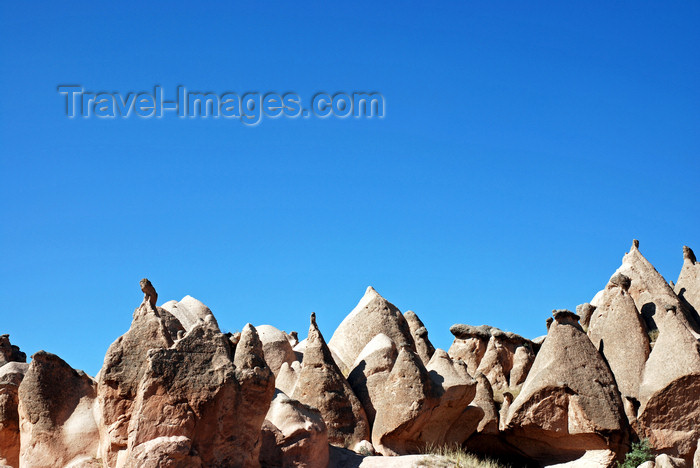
524, 146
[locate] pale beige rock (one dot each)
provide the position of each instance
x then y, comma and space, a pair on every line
470, 344
647, 464
56, 414
450, 422
257, 387
85, 462
372, 315
569, 402
670, 388
120, 376
190, 312
618, 332
696, 458
507, 360
503, 412
371, 370
11, 375
171, 452
424, 347
688, 285
590, 459
666, 461
195, 398
294, 435
651, 292
321, 384
411, 405
483, 399
276, 347
404, 408
346, 459
287, 377
585, 311
300, 348
503, 357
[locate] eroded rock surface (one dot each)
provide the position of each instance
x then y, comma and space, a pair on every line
652, 293
417, 406
670, 388
618, 331
11, 375
503, 357
176, 392
56, 414
190, 312
372, 315
371, 370
321, 384
10, 352
688, 285
276, 346
424, 347
124, 366
293, 435
570, 402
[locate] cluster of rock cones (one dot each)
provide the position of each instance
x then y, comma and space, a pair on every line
174, 391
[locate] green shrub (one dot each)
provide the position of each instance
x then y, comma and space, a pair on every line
639, 453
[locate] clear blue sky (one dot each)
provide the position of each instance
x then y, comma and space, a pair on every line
524, 147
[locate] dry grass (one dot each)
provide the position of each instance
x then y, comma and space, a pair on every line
454, 456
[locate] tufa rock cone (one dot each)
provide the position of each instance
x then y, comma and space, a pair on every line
320, 384
688, 285
618, 332
424, 347
372, 315
569, 402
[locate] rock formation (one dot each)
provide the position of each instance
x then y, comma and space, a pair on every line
174, 391
424, 347
670, 389
180, 401
585, 311
276, 346
10, 352
618, 332
569, 403
372, 315
371, 370
190, 312
489, 422
503, 357
452, 421
651, 292
124, 366
688, 285
56, 414
321, 384
149, 292
12, 370
294, 435
404, 407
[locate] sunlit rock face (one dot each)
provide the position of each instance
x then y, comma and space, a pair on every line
570, 402
13, 368
503, 357
174, 391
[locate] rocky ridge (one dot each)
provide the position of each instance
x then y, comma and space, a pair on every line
174, 391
